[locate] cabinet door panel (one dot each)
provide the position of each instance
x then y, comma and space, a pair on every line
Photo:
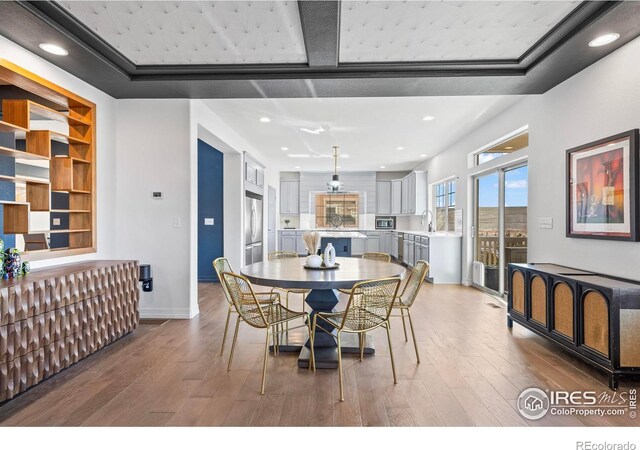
539, 300
595, 322
284, 197
563, 309
383, 197
396, 197
294, 197
517, 288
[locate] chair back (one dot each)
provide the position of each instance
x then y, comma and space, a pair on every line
412, 287
377, 256
282, 255
243, 298
370, 304
222, 265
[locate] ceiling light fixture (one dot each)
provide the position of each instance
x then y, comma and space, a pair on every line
334, 185
296, 167
428, 118
299, 155
317, 131
400, 148
265, 120
284, 149
53, 49
423, 155
383, 167
508, 148
604, 40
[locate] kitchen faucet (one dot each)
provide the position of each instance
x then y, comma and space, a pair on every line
428, 215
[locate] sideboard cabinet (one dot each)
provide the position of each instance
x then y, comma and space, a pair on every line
596, 317
54, 317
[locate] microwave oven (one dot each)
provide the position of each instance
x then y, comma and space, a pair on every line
385, 223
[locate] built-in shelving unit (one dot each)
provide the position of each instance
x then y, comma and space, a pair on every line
47, 150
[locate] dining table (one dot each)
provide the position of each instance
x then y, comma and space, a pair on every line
323, 285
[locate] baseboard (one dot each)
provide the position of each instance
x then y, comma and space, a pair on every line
467, 283
167, 313
212, 279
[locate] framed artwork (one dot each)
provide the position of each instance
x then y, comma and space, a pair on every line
602, 188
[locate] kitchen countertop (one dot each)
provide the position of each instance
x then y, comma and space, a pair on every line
353, 233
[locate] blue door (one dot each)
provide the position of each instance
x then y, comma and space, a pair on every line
210, 210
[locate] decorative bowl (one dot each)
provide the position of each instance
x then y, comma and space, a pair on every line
313, 261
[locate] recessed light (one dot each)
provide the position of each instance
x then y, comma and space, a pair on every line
296, 167
604, 40
299, 155
428, 118
265, 120
400, 148
508, 148
54, 49
284, 149
423, 155
383, 167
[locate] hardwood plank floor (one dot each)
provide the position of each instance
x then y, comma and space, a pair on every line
170, 373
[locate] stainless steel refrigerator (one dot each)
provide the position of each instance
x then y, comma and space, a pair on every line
252, 228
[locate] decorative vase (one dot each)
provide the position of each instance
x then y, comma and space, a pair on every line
329, 255
314, 261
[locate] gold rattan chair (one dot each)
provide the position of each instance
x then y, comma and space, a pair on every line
369, 307
304, 292
408, 296
222, 265
374, 256
259, 315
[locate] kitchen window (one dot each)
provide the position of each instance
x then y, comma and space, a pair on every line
445, 202
503, 148
337, 210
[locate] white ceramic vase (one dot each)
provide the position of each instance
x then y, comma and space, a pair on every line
314, 261
329, 255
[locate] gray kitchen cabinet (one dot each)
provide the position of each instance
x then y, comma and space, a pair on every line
413, 198
405, 195
394, 245
388, 242
383, 197
301, 248
288, 241
396, 197
358, 247
260, 177
373, 242
289, 197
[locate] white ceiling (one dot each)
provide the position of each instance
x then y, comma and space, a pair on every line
369, 130
444, 31
196, 32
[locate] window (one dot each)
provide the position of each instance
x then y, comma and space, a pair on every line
503, 148
445, 201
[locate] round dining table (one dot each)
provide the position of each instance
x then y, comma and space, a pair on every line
323, 297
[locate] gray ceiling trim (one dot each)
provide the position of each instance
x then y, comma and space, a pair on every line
554, 58
320, 22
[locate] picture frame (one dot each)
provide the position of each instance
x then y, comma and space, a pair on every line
602, 189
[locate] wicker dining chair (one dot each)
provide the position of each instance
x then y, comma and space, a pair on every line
408, 296
222, 265
304, 292
369, 307
373, 256
258, 315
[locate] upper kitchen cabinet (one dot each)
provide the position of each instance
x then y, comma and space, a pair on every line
396, 197
414, 193
253, 175
383, 197
289, 197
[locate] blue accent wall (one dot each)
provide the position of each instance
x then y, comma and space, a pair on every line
210, 205
7, 189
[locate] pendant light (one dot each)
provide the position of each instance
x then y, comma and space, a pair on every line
334, 185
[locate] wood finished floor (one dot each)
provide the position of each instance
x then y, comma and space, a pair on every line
473, 369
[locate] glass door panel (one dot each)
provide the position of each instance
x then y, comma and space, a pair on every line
487, 228
515, 218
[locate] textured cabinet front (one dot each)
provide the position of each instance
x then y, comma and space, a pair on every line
539, 300
55, 317
595, 322
563, 309
517, 286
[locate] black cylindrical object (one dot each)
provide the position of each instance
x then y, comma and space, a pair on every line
145, 272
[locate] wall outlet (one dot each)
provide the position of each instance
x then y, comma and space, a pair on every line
56, 221
156, 195
545, 223
209, 221
177, 222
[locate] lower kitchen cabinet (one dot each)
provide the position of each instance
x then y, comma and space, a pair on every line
373, 241
595, 317
288, 241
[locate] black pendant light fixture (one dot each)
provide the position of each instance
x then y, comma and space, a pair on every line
334, 185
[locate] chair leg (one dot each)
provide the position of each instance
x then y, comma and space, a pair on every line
264, 363
361, 337
233, 345
413, 335
226, 327
393, 365
313, 339
404, 325
340, 367
312, 361
287, 306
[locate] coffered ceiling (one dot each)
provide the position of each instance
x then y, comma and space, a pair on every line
323, 48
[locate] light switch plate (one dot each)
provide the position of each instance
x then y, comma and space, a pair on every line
177, 222
209, 221
56, 221
157, 195
545, 223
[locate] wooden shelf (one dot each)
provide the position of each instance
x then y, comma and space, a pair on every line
15, 217
11, 128
71, 211
68, 139
19, 154
60, 231
13, 179
21, 112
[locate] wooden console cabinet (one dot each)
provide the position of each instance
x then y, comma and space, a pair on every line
54, 317
595, 317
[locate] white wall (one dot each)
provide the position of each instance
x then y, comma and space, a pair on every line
105, 146
600, 101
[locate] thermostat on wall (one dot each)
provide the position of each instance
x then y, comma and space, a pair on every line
156, 195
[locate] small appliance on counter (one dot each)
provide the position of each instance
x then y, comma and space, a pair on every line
385, 223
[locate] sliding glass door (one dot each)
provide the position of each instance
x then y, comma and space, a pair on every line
500, 225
